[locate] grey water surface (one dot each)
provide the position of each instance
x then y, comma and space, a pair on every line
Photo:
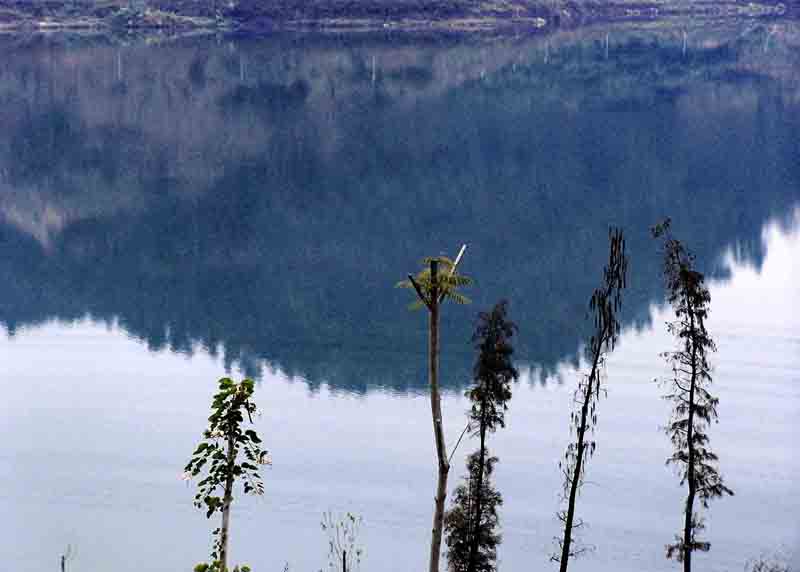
177, 209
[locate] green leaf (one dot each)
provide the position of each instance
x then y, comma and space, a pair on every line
457, 298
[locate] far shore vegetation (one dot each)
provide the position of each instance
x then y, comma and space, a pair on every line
448, 16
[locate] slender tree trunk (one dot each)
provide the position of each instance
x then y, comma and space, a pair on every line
687, 522
687, 528
573, 486
473, 549
438, 430
226, 507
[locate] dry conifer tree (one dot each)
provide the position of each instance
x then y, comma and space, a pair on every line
494, 373
436, 282
461, 532
604, 305
694, 407
470, 524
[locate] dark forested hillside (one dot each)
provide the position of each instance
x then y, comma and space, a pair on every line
261, 199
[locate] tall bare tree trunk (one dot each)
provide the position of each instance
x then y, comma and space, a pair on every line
436, 413
226, 507
573, 487
576, 475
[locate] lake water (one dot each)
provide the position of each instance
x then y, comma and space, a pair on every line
172, 210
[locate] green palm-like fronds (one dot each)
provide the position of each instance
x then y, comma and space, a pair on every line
448, 282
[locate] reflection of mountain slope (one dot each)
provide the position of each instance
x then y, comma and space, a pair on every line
264, 200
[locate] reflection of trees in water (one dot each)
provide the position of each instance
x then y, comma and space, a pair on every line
272, 223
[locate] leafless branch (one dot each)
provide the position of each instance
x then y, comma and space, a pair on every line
450, 458
419, 291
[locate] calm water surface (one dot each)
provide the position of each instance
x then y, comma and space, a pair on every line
172, 211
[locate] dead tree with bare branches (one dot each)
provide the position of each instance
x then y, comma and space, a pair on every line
604, 305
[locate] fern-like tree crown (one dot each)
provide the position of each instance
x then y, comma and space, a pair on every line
448, 281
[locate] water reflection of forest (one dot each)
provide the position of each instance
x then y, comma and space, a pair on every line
261, 198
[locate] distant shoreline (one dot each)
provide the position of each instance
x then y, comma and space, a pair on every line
437, 16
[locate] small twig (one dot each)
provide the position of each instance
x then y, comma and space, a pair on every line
450, 458
458, 259
247, 408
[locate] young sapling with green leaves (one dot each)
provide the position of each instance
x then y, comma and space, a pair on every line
219, 458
